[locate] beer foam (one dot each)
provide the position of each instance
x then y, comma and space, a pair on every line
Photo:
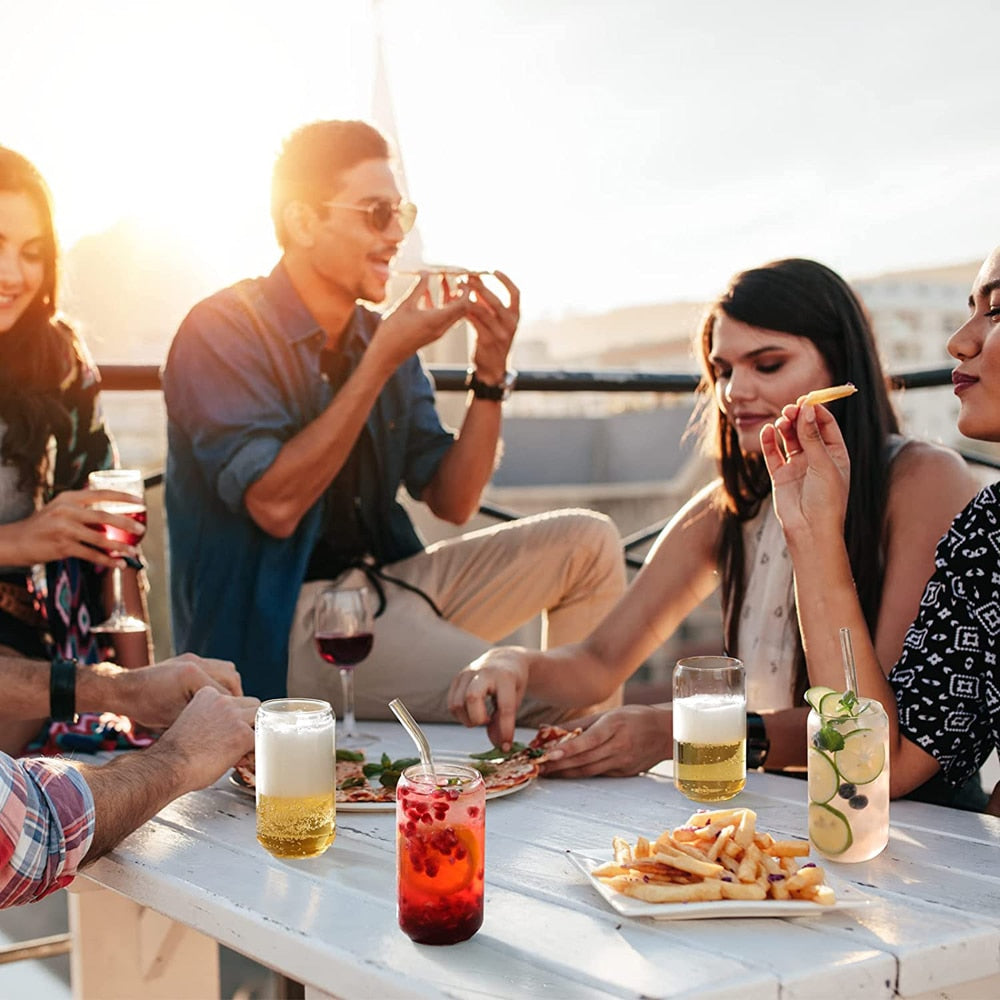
294, 761
710, 718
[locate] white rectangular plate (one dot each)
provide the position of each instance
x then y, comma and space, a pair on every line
848, 898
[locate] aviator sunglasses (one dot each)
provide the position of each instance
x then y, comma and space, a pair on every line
381, 213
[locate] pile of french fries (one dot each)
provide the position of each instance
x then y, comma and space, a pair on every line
714, 855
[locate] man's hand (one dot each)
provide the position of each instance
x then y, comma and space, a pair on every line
155, 696
212, 733
618, 743
415, 321
495, 325
70, 526
489, 691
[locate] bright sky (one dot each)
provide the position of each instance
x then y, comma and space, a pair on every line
602, 152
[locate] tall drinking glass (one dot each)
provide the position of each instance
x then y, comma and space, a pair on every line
710, 727
343, 630
296, 777
440, 852
124, 481
848, 770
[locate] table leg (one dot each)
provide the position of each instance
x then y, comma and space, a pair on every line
122, 950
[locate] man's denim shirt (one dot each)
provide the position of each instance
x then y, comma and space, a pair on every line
242, 378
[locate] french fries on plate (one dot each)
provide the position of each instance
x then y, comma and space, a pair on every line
714, 855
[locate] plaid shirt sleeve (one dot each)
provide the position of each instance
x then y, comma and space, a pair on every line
46, 827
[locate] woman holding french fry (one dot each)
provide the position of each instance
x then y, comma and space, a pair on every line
776, 333
943, 694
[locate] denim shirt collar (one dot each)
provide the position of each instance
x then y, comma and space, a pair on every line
297, 323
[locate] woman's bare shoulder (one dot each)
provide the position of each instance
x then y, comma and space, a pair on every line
932, 472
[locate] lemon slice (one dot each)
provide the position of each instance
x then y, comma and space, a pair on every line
862, 759
814, 695
824, 781
829, 830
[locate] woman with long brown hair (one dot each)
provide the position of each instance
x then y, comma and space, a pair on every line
52, 436
777, 332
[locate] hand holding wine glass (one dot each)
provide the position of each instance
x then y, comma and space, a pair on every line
343, 627
127, 481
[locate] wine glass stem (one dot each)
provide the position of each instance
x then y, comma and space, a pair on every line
347, 687
118, 608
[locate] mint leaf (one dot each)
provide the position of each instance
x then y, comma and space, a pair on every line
829, 739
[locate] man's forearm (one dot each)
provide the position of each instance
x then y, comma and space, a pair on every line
455, 491
127, 792
307, 464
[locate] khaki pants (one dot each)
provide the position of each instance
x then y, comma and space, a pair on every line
567, 565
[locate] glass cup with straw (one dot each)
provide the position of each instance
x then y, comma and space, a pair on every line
440, 845
848, 768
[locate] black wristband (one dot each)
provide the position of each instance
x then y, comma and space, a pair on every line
62, 690
758, 745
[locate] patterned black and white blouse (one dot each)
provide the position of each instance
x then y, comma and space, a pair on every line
946, 681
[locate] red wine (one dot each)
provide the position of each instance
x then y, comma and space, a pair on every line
344, 650
135, 511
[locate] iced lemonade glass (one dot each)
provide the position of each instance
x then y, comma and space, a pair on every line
294, 750
440, 852
848, 771
710, 727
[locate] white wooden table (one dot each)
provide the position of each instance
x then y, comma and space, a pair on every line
933, 929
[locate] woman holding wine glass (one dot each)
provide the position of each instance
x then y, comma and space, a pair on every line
52, 436
343, 629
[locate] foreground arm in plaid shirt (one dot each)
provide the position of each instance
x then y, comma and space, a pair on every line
46, 827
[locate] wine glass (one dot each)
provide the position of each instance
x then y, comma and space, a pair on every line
343, 631
123, 481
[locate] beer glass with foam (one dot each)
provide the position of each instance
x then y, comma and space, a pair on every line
710, 727
295, 777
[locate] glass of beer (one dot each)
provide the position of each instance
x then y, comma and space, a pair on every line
710, 727
296, 777
440, 852
848, 770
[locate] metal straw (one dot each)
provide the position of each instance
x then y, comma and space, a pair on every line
850, 671
410, 725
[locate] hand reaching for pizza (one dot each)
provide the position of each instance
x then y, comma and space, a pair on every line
489, 691
618, 743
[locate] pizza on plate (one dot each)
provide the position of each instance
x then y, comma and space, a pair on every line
360, 780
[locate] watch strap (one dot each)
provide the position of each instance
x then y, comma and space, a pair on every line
758, 745
483, 390
62, 690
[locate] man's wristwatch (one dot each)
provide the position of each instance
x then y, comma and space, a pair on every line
483, 390
758, 744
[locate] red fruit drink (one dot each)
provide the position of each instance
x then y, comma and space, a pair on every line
440, 852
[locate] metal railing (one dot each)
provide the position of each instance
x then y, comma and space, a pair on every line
451, 379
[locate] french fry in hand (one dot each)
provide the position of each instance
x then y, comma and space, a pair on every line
824, 396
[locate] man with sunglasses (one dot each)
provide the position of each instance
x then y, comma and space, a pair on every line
295, 413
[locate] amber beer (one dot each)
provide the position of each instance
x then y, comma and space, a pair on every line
709, 719
295, 777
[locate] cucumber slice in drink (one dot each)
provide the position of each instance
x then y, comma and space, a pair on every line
814, 695
862, 759
824, 781
829, 830
830, 704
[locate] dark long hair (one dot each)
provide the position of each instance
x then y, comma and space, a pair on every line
807, 299
38, 353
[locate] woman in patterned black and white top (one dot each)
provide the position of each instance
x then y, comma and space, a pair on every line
945, 685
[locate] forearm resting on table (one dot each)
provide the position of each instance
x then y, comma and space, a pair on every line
786, 733
129, 791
